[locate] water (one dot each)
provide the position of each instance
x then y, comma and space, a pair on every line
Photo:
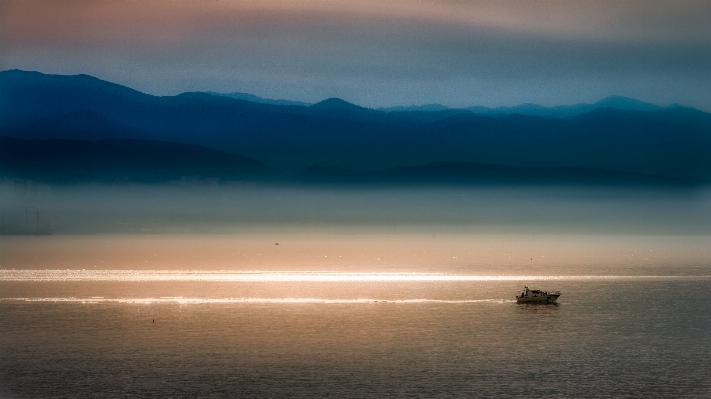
623, 329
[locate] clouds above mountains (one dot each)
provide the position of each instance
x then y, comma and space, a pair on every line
375, 53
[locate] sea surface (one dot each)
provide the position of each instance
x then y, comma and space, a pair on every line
239, 316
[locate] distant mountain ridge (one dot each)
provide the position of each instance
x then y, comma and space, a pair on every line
418, 108
559, 111
673, 141
139, 161
487, 174
257, 99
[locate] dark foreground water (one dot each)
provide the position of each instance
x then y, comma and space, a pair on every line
614, 337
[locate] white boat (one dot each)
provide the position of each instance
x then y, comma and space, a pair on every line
536, 296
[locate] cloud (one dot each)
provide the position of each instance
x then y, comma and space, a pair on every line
375, 53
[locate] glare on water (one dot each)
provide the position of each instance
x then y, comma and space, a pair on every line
354, 316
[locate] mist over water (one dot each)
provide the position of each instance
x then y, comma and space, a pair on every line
249, 207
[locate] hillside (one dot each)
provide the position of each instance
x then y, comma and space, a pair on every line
70, 161
673, 142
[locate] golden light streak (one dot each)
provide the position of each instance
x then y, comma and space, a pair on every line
195, 301
281, 276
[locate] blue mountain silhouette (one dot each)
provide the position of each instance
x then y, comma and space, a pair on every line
616, 134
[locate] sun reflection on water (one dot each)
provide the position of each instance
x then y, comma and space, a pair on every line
281, 276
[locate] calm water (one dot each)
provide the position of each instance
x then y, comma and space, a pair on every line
625, 335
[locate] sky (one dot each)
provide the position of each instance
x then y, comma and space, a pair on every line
375, 53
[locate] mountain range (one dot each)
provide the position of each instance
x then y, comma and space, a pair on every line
257, 99
616, 134
559, 111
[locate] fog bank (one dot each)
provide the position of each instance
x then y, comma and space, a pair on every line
250, 208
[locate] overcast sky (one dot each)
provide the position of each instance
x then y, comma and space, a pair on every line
375, 52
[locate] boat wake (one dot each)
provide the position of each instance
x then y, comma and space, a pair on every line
189, 301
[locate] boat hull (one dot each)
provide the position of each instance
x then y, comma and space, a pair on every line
549, 298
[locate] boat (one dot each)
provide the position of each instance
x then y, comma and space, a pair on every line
536, 296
